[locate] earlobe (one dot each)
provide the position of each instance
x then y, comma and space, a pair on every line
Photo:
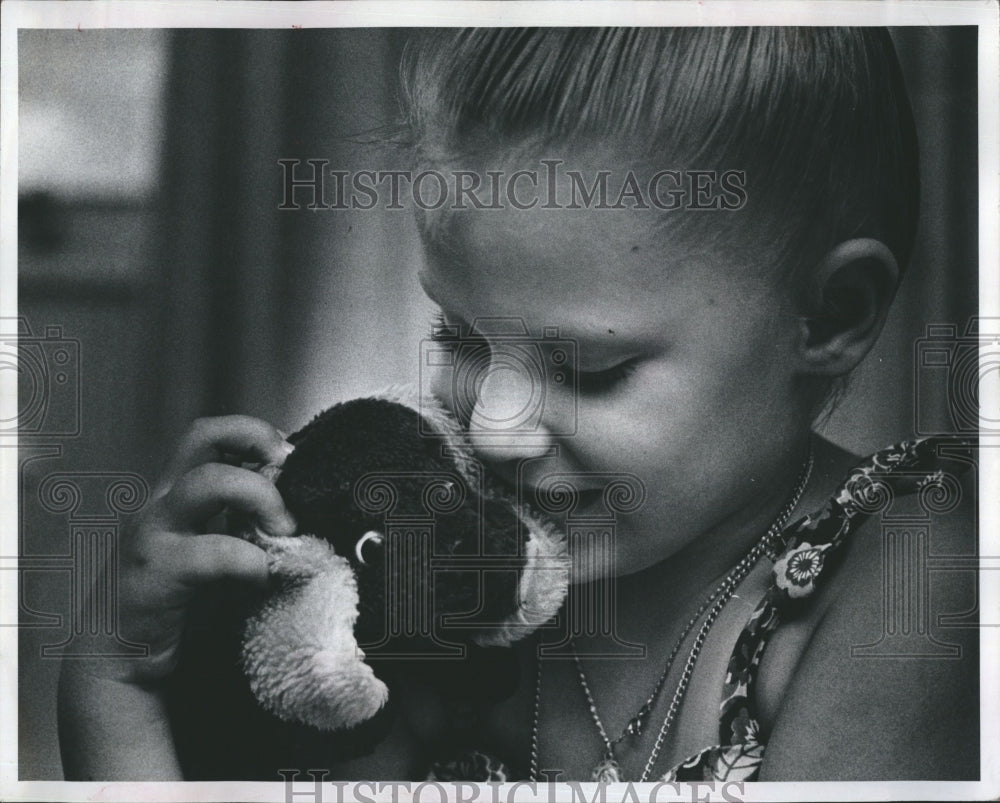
853, 286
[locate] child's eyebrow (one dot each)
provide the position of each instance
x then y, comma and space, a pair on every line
600, 340
593, 346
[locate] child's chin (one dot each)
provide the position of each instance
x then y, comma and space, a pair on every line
593, 558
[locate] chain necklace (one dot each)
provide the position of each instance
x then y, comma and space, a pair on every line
608, 770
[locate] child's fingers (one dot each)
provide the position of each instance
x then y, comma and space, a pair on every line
215, 557
204, 490
211, 439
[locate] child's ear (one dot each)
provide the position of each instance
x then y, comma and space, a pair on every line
852, 288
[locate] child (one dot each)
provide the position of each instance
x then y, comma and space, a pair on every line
713, 320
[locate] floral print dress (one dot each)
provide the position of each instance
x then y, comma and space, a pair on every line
803, 555
807, 548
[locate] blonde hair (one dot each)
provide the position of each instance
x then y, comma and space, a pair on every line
817, 117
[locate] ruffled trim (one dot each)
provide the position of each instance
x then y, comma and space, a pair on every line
541, 588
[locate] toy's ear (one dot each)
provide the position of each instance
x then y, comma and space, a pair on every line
299, 651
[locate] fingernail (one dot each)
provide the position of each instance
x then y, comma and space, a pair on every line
287, 447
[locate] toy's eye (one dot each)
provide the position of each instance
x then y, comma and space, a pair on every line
371, 536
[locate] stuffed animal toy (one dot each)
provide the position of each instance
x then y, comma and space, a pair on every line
405, 548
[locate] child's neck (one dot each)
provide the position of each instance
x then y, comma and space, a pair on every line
651, 602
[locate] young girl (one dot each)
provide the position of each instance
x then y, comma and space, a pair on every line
712, 323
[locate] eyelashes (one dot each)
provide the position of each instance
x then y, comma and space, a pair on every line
609, 378
441, 331
587, 382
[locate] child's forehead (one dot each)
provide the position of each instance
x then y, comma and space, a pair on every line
574, 265
570, 187
565, 225
551, 243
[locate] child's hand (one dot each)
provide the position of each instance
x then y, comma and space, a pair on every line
168, 555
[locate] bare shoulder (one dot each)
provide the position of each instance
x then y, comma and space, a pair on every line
887, 685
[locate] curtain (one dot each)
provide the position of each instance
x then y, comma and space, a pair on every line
270, 312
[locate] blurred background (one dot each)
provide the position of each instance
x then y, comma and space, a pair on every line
152, 252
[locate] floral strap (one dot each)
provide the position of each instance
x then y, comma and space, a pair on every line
808, 545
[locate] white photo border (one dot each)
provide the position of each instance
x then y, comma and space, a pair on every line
21, 14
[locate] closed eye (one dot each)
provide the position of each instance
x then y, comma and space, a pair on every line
607, 379
591, 382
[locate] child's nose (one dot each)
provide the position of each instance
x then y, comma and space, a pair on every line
509, 419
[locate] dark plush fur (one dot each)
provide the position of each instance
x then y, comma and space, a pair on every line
221, 730
319, 480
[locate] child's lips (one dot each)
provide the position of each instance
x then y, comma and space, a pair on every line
572, 502
590, 496
549, 498
591, 503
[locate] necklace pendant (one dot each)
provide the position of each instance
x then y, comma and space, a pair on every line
608, 771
